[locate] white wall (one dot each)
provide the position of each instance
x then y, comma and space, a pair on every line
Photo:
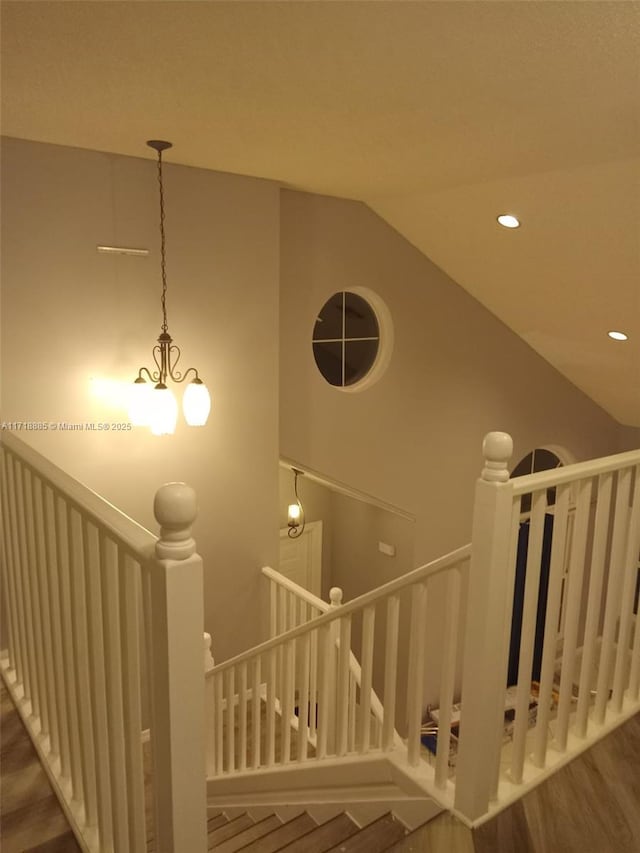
69, 313
414, 438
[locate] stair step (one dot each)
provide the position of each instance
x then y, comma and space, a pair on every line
324, 837
262, 827
216, 821
374, 838
228, 830
279, 838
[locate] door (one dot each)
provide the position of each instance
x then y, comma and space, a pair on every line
301, 558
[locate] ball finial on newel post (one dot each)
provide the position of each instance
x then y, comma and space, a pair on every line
497, 448
175, 508
335, 596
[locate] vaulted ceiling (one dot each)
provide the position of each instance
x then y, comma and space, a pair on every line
438, 115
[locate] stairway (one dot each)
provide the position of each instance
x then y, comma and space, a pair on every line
301, 834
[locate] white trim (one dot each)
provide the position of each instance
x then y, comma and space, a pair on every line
314, 530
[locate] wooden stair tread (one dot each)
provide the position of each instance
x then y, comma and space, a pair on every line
282, 836
216, 821
230, 828
251, 833
376, 837
324, 837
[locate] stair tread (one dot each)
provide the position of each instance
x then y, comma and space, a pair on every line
251, 833
324, 837
228, 830
283, 835
376, 837
215, 822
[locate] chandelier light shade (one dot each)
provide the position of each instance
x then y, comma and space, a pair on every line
295, 511
152, 402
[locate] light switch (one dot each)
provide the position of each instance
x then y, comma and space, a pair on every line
389, 550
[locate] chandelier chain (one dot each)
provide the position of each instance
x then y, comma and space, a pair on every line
162, 246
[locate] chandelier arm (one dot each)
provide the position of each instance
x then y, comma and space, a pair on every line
160, 360
183, 376
153, 377
176, 375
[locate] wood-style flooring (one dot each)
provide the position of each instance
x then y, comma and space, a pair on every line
31, 820
590, 806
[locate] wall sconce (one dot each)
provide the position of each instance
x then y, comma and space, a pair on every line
157, 407
295, 512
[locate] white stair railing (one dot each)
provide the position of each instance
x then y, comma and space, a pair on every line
292, 605
85, 588
250, 689
589, 675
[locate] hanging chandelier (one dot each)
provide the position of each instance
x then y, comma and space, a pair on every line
156, 406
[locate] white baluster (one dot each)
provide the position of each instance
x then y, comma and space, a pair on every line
390, 672
271, 708
594, 606
9, 544
82, 664
366, 678
178, 741
416, 671
305, 708
554, 598
45, 604
528, 631
210, 708
287, 701
447, 679
342, 681
612, 609
129, 584
242, 709
231, 719
483, 684
218, 718
326, 650
630, 580
255, 715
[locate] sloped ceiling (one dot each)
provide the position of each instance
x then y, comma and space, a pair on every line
438, 115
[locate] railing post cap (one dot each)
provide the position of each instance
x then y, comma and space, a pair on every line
175, 507
335, 596
497, 448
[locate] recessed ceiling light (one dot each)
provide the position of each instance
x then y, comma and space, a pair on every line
508, 221
618, 336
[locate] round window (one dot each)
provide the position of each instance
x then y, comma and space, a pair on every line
346, 339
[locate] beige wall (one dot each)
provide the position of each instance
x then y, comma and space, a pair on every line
69, 313
629, 438
414, 438
351, 530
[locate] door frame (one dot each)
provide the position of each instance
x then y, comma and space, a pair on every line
314, 530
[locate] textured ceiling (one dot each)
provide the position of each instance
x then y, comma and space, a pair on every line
439, 115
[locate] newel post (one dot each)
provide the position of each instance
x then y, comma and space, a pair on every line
177, 685
486, 630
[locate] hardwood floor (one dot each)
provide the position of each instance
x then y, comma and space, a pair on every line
31, 820
591, 806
